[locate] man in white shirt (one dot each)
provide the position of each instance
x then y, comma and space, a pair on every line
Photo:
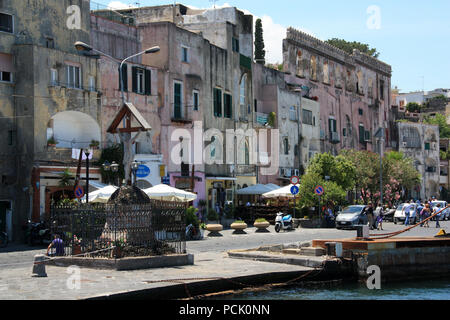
407, 210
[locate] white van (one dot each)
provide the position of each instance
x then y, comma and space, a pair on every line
399, 214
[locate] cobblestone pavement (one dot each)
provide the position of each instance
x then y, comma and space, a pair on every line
210, 261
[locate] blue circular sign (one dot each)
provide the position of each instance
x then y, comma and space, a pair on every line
142, 171
319, 190
79, 192
295, 190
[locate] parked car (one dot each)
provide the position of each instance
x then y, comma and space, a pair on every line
399, 215
351, 216
388, 215
446, 213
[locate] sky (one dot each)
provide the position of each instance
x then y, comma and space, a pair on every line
412, 36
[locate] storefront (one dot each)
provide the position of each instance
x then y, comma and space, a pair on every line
221, 191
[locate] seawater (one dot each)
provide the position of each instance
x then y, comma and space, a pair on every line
436, 289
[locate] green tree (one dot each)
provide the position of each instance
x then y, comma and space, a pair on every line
349, 46
413, 107
441, 121
260, 53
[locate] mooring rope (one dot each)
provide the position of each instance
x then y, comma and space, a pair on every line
392, 234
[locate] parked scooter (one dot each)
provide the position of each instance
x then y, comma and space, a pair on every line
283, 221
37, 233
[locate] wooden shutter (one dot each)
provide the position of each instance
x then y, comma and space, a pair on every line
148, 82
177, 101
124, 77
134, 79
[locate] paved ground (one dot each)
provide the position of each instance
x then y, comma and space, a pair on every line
210, 261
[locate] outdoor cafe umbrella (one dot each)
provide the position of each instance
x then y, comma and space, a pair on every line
280, 193
257, 189
167, 193
101, 195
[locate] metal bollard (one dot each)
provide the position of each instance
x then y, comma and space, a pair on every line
39, 266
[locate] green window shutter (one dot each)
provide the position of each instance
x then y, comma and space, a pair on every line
148, 82
217, 102
362, 132
124, 77
228, 106
134, 79
177, 101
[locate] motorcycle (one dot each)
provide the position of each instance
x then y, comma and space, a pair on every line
283, 221
38, 233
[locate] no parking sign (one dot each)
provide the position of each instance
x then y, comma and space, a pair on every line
319, 190
79, 192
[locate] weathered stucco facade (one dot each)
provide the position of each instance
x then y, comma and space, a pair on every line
353, 90
420, 142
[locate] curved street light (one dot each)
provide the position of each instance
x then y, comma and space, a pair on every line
83, 47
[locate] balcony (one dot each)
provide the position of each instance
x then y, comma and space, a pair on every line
261, 119
181, 114
335, 137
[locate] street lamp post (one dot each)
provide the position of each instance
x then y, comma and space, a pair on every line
87, 153
113, 167
125, 137
134, 168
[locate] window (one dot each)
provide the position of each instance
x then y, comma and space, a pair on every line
184, 54
427, 146
242, 96
50, 43
293, 113
332, 125
360, 111
5, 76
286, 146
91, 83
382, 89
141, 81
177, 100
235, 44
217, 102
307, 117
6, 23
195, 100
299, 63
53, 77
313, 74
326, 75
362, 133
228, 106
11, 137
73, 77
246, 152
344, 132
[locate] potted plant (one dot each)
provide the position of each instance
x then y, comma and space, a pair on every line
94, 144
51, 142
202, 229
261, 225
238, 226
212, 215
118, 248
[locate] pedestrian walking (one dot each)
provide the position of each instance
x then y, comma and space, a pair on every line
426, 214
438, 216
407, 210
380, 219
370, 216
419, 210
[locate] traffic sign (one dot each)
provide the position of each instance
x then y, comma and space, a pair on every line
295, 180
319, 190
79, 192
142, 171
295, 190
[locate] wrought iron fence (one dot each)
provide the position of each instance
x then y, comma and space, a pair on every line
115, 231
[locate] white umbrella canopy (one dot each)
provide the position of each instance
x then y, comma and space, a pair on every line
281, 192
257, 189
101, 195
168, 193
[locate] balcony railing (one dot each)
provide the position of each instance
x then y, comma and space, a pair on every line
261, 119
181, 114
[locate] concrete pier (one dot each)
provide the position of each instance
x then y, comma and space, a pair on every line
398, 258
